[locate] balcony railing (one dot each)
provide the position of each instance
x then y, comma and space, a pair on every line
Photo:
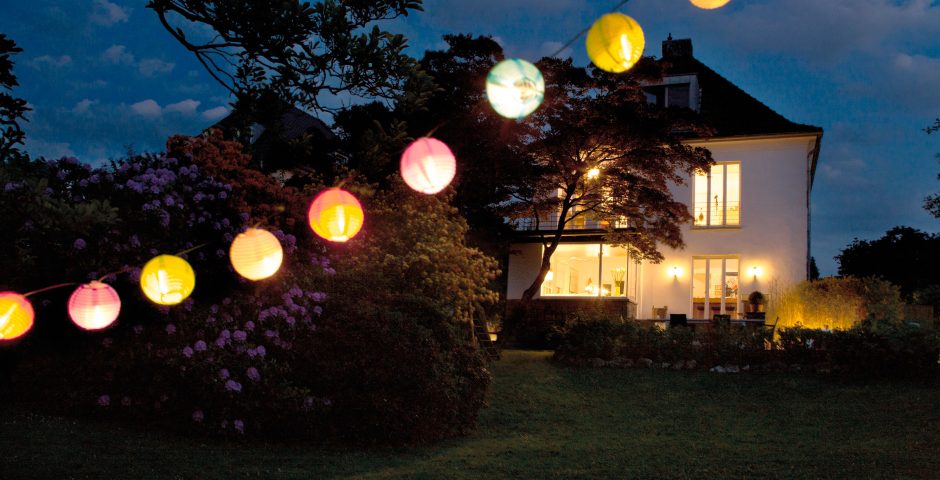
579, 223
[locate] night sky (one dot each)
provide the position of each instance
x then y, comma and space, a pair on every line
104, 77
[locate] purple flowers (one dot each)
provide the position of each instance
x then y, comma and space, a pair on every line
239, 426
104, 400
252, 374
233, 386
240, 336
170, 329
199, 416
187, 351
200, 346
79, 244
223, 374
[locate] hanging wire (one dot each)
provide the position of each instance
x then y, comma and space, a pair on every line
53, 287
582, 32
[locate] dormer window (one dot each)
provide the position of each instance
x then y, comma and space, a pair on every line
678, 91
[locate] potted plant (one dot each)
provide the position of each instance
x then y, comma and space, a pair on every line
756, 300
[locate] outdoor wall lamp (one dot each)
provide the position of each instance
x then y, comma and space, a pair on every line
675, 271
756, 271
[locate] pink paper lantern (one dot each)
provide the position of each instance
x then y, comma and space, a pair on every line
428, 165
94, 306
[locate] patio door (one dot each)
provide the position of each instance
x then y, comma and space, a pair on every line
715, 286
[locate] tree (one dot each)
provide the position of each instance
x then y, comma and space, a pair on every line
932, 202
813, 269
298, 50
599, 150
12, 109
904, 256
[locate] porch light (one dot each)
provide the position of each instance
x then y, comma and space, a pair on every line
515, 88
167, 280
615, 43
675, 271
428, 165
94, 306
256, 254
709, 4
16, 315
549, 276
335, 215
756, 271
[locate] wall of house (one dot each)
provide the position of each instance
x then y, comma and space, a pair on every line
524, 261
773, 232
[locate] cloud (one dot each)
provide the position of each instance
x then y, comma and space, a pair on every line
215, 113
185, 107
147, 108
148, 67
39, 147
83, 105
49, 61
106, 13
118, 55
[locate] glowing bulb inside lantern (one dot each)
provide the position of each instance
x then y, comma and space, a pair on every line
615, 42
256, 254
515, 88
335, 215
428, 165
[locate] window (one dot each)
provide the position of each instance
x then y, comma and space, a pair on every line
715, 286
717, 201
591, 270
675, 95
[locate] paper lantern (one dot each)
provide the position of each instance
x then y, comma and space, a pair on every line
428, 165
710, 4
94, 306
16, 315
167, 280
335, 215
615, 42
256, 254
515, 88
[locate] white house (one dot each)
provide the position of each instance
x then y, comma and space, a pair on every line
752, 219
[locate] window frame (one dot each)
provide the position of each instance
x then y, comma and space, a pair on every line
724, 197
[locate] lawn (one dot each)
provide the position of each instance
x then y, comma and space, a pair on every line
547, 421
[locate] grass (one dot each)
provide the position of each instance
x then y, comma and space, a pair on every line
554, 422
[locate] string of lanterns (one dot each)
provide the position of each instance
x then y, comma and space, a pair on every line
514, 88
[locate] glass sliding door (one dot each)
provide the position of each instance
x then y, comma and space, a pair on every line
715, 286
590, 270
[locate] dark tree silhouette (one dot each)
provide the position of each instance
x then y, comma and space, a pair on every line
904, 256
12, 109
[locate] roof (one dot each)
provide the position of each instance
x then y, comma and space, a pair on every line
725, 107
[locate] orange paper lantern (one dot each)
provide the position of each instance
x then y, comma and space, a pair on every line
256, 254
428, 165
167, 279
94, 306
335, 215
16, 315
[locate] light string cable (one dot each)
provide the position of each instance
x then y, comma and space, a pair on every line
582, 32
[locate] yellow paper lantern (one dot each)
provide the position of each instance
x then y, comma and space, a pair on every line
615, 42
428, 165
16, 315
515, 88
167, 279
335, 215
256, 254
94, 306
709, 4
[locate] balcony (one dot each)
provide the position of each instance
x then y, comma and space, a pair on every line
579, 223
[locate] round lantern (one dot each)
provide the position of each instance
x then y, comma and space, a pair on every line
335, 215
94, 306
16, 315
428, 165
709, 4
615, 42
256, 254
167, 280
515, 88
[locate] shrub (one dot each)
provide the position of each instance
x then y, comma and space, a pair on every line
837, 303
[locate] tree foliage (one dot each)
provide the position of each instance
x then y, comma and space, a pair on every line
12, 109
297, 49
904, 256
601, 122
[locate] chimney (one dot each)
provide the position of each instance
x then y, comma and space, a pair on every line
677, 48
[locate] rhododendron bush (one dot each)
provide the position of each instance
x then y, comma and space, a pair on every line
368, 341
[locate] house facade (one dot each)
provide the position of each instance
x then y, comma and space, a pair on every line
752, 219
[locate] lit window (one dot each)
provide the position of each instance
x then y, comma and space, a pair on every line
591, 270
718, 196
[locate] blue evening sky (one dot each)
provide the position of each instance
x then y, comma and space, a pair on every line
103, 76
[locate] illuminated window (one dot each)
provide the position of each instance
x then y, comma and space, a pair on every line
715, 286
591, 270
718, 196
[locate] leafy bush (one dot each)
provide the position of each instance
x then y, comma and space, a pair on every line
837, 303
